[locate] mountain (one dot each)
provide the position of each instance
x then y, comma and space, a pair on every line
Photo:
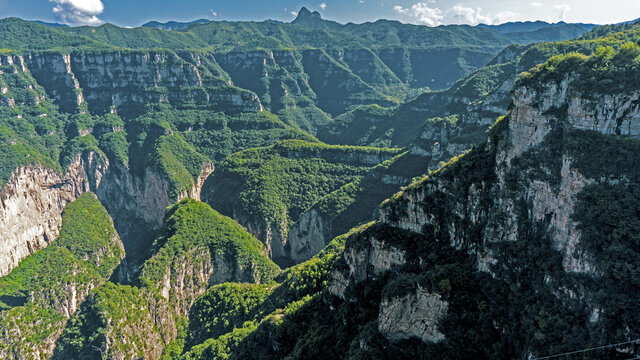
243, 190
496, 255
173, 25
314, 20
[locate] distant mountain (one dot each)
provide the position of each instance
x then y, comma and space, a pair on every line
314, 20
53, 25
630, 22
529, 26
174, 25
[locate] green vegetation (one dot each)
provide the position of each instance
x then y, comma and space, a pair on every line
272, 186
606, 71
87, 243
190, 225
226, 318
35, 297
116, 311
137, 320
355, 202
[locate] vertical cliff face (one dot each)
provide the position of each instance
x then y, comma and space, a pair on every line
516, 207
53, 71
53, 283
126, 80
35, 196
32, 203
539, 115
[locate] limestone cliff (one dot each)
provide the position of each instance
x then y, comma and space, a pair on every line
126, 80
34, 198
54, 282
515, 209
32, 203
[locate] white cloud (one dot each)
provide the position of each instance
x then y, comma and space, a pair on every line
536, 4
361, 1
422, 13
467, 15
79, 12
458, 14
564, 9
293, 13
323, 6
504, 16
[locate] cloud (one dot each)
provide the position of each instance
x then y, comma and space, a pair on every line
79, 12
323, 6
504, 16
467, 15
458, 14
422, 13
564, 9
536, 4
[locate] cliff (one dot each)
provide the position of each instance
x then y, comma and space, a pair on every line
515, 213
127, 80
199, 249
52, 283
267, 189
32, 203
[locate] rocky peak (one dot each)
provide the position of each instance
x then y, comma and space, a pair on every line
312, 20
306, 14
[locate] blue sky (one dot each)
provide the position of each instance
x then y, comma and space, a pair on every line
425, 12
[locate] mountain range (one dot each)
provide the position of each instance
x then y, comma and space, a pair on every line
310, 190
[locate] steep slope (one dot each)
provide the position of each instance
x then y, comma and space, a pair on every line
229, 314
199, 248
476, 100
509, 251
351, 205
266, 189
48, 287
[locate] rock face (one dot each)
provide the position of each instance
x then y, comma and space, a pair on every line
308, 236
413, 316
529, 126
62, 277
126, 80
364, 264
32, 203
517, 192
33, 200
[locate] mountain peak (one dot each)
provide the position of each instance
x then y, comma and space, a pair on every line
305, 13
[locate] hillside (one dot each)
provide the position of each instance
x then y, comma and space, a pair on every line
318, 190
497, 255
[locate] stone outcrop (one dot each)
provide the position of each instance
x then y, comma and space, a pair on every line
415, 315
126, 80
365, 264
523, 189
308, 236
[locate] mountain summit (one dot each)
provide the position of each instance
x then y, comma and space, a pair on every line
313, 20
305, 14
